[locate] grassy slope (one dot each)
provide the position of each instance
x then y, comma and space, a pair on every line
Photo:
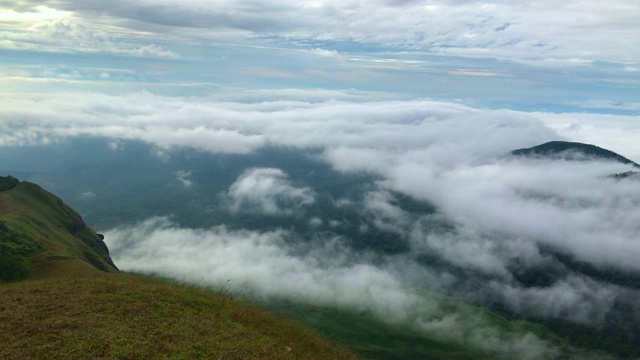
119, 316
76, 305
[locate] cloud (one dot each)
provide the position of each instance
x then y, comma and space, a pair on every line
265, 265
39, 13
384, 214
495, 214
569, 206
267, 191
451, 155
520, 31
239, 127
182, 177
579, 300
69, 75
87, 195
608, 104
474, 73
325, 53
70, 36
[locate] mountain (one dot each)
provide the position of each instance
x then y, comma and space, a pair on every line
61, 297
39, 233
572, 151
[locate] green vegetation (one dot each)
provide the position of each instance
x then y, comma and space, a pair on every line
373, 339
38, 228
120, 316
7, 182
16, 247
15, 250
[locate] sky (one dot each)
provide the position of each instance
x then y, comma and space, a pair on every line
574, 56
572, 65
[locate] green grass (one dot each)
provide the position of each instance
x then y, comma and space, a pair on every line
120, 316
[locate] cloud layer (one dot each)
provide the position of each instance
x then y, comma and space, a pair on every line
545, 31
496, 217
265, 265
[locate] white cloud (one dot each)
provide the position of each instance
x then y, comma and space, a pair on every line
571, 206
220, 126
72, 36
264, 265
267, 191
452, 156
384, 214
578, 300
496, 211
182, 177
325, 53
609, 104
544, 31
87, 195
39, 13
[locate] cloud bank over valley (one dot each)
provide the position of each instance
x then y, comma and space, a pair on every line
366, 204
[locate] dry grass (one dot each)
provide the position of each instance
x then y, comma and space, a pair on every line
119, 316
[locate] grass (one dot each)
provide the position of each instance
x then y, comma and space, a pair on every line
121, 316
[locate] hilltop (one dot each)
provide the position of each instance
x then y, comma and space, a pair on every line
572, 151
62, 297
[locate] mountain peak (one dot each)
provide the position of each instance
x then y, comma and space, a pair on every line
572, 151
